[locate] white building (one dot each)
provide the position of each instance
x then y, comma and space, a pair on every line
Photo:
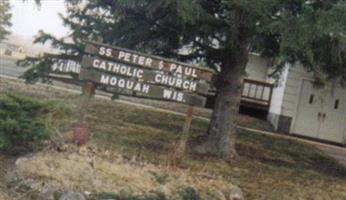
12, 51
295, 106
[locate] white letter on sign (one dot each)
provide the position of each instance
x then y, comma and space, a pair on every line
145, 88
113, 81
148, 62
121, 55
109, 53
157, 78
121, 83
172, 67
167, 94
140, 73
105, 51
180, 97
161, 66
104, 79
102, 51
96, 63
127, 57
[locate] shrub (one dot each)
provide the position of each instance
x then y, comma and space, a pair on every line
22, 122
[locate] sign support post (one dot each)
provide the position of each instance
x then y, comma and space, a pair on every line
80, 128
88, 90
188, 121
181, 148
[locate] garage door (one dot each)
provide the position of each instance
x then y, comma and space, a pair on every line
321, 113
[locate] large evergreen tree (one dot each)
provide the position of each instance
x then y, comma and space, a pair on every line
220, 34
5, 18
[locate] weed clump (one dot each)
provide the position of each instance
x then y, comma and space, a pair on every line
23, 122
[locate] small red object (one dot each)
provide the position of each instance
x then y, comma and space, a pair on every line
80, 133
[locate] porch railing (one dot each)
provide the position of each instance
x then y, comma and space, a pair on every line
257, 94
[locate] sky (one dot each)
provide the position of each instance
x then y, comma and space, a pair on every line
28, 19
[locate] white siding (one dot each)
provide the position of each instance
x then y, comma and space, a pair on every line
277, 98
257, 68
291, 95
295, 76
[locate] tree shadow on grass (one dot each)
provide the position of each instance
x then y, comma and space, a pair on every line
287, 153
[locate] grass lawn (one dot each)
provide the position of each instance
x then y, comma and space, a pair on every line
268, 167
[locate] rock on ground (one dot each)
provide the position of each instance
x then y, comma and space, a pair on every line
72, 196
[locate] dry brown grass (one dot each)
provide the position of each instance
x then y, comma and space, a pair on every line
73, 171
269, 168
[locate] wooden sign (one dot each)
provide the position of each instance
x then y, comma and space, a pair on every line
148, 61
66, 67
64, 79
151, 76
143, 88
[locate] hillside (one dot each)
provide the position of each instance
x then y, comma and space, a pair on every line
130, 150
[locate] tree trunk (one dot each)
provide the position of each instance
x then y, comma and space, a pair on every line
221, 135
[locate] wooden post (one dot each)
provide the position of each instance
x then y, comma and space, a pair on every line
80, 128
181, 147
88, 89
188, 121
